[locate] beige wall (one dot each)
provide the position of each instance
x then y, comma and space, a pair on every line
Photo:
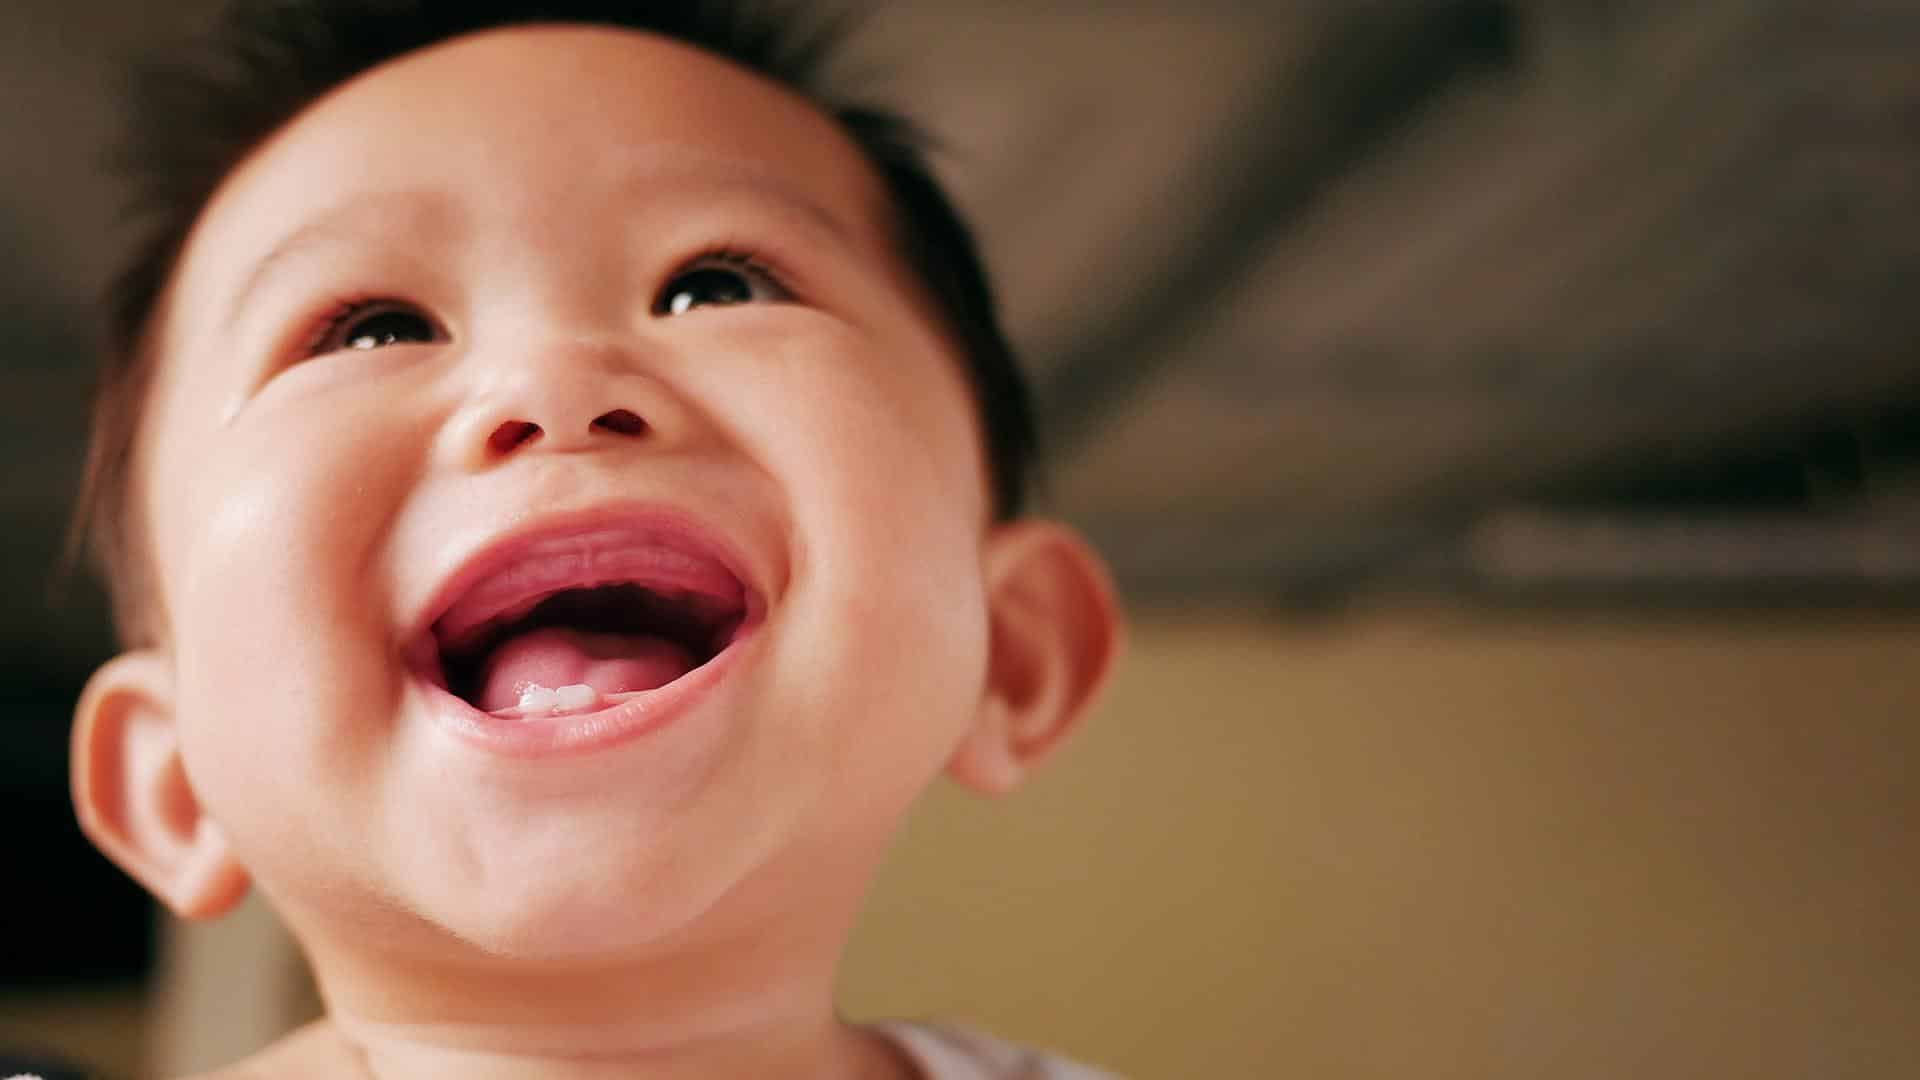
1406, 846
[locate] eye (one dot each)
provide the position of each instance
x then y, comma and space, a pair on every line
721, 277
373, 325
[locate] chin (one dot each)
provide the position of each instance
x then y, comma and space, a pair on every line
583, 917
597, 876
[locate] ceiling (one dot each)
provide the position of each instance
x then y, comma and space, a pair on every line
1321, 299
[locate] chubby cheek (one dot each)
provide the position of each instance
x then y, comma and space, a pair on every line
888, 499
268, 540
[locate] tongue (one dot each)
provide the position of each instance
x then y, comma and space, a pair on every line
555, 656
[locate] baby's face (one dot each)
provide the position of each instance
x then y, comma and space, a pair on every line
559, 311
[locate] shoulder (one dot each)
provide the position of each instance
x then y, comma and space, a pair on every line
948, 1052
315, 1052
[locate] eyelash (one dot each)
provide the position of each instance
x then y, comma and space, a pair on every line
343, 311
742, 258
339, 314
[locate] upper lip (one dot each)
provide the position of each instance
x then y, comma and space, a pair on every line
649, 546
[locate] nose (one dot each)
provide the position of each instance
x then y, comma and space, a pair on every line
565, 398
511, 435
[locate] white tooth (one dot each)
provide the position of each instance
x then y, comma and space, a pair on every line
536, 698
577, 696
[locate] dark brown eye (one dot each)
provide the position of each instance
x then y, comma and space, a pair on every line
723, 278
375, 326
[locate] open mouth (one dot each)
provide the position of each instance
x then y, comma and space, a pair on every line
571, 622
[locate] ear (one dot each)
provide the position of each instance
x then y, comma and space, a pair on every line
1055, 628
132, 794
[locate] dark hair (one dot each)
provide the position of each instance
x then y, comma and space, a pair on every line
197, 113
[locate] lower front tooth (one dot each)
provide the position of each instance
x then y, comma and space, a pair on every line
577, 696
538, 699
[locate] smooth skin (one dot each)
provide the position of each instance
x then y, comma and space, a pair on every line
515, 205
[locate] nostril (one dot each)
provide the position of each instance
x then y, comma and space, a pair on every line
512, 435
621, 422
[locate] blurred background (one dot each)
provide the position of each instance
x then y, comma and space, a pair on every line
1504, 419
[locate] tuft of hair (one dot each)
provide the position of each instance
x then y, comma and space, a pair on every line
196, 112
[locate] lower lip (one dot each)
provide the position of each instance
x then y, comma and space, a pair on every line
632, 716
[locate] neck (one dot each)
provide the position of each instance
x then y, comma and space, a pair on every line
732, 1014
822, 1048
755, 999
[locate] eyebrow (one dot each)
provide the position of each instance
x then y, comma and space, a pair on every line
746, 177
355, 216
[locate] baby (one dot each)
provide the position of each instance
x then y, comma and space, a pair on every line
560, 477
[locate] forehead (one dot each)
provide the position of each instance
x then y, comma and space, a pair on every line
532, 123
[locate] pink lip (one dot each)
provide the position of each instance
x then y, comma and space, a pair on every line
582, 549
635, 715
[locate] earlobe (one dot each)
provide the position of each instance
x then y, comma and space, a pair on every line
1055, 635
132, 795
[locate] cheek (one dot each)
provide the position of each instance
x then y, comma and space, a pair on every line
268, 533
881, 468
